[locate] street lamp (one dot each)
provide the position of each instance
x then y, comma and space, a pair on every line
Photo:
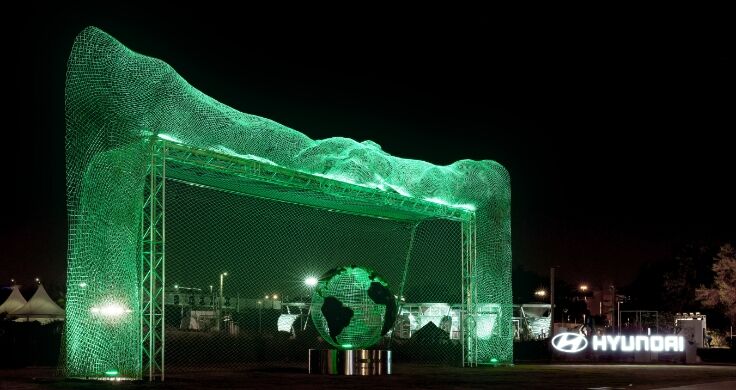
584, 289
311, 281
541, 294
618, 312
222, 276
552, 302
618, 315
260, 306
220, 304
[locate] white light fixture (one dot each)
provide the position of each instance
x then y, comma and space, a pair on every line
110, 310
310, 281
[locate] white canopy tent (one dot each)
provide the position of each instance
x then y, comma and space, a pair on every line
39, 308
14, 301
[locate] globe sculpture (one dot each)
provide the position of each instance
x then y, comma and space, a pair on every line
352, 307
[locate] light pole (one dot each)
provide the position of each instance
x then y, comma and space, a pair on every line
260, 306
212, 298
583, 288
552, 302
222, 277
613, 300
618, 312
220, 303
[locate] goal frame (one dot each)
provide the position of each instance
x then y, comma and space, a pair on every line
163, 152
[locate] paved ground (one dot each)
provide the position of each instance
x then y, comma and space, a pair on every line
727, 385
522, 377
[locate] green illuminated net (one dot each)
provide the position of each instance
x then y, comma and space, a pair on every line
168, 189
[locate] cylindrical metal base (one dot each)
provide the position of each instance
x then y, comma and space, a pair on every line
350, 362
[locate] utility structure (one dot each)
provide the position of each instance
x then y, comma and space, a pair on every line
154, 166
220, 302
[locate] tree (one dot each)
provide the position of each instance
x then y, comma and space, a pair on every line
525, 282
691, 268
723, 292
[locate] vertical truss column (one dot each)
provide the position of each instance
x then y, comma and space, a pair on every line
470, 294
153, 265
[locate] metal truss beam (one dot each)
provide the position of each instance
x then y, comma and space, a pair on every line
153, 256
470, 293
184, 156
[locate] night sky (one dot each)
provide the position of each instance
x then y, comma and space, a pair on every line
618, 135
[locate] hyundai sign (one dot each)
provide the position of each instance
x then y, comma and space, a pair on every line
569, 342
575, 342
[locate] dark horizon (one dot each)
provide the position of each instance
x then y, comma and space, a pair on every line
618, 145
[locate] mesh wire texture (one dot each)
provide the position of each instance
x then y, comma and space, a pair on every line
244, 194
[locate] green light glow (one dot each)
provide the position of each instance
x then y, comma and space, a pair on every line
468, 207
112, 373
347, 346
399, 190
494, 360
342, 178
168, 138
129, 116
484, 328
438, 201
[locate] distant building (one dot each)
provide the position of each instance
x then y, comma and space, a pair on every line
603, 303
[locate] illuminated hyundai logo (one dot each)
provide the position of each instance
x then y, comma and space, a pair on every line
569, 342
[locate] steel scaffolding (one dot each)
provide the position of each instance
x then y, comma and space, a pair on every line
174, 161
153, 271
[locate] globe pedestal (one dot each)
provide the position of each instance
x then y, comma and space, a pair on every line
350, 362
